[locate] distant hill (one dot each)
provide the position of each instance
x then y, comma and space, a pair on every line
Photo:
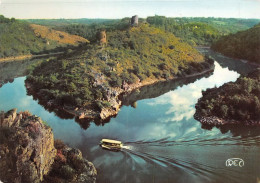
64, 22
242, 45
58, 36
201, 31
195, 31
21, 38
89, 31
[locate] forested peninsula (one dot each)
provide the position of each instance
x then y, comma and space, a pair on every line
88, 82
231, 104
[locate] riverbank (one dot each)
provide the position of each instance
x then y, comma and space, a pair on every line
250, 62
206, 49
24, 57
216, 121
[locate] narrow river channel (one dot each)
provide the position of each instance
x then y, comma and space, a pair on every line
162, 141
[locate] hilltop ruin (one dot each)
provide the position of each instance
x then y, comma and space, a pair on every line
134, 20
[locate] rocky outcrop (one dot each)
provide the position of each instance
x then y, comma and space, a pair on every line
70, 166
102, 37
27, 148
28, 154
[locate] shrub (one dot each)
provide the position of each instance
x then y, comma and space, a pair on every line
224, 110
45, 124
103, 104
157, 74
60, 158
25, 114
115, 81
133, 78
59, 144
67, 172
125, 76
162, 66
79, 101
77, 163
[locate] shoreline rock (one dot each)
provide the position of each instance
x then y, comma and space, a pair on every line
215, 121
28, 153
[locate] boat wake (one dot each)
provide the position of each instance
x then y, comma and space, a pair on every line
126, 147
193, 158
199, 141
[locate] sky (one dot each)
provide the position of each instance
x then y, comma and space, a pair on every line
126, 8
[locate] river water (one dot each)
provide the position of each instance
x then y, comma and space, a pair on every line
163, 142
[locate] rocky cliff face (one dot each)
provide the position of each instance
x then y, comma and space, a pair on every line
28, 154
27, 148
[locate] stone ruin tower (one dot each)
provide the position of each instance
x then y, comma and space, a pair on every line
102, 37
134, 20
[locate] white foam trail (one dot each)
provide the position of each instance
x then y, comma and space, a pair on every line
126, 147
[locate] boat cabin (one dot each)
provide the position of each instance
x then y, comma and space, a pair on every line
111, 144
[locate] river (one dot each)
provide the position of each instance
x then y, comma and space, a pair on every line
162, 141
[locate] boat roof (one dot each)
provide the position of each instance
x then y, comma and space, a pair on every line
111, 141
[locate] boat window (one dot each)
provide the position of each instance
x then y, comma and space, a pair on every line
111, 144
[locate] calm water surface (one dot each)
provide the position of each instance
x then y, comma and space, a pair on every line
163, 143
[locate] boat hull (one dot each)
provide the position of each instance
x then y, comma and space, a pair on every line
110, 147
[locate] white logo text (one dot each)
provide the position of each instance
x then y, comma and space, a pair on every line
235, 162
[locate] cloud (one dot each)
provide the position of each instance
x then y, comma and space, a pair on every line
182, 100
